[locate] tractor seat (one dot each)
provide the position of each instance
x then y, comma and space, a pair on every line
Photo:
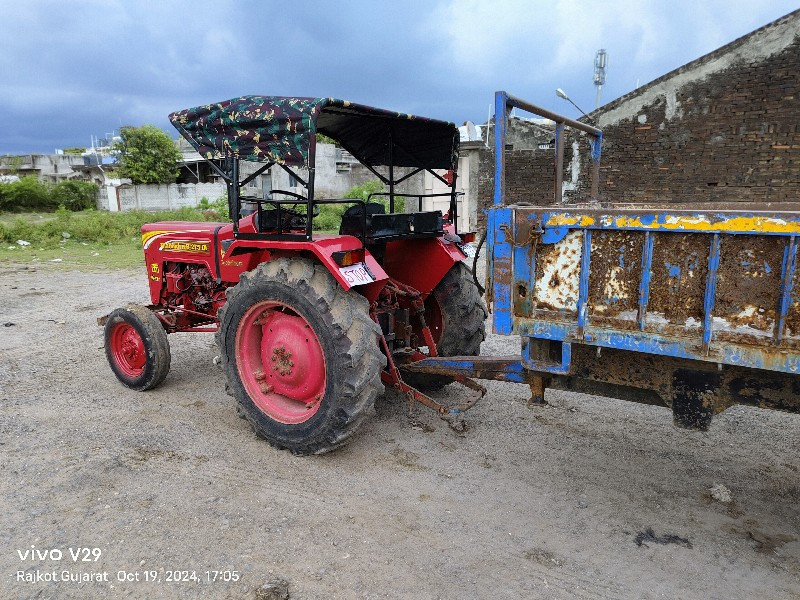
382, 227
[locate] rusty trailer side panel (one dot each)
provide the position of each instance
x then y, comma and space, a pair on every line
716, 286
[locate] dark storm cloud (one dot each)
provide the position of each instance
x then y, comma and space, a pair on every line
75, 69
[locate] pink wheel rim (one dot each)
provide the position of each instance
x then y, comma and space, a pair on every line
127, 348
280, 362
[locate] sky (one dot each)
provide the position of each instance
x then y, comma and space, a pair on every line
72, 70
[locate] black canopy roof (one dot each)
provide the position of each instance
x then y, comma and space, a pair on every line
282, 129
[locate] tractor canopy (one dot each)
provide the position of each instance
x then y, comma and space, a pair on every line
282, 130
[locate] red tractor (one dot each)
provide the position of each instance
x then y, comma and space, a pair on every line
309, 326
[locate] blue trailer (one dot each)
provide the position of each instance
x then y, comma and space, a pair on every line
696, 308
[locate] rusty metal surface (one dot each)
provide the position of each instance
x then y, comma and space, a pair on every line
709, 286
638, 377
748, 287
793, 316
614, 278
525, 242
678, 279
736, 385
558, 274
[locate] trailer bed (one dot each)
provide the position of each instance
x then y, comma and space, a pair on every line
711, 285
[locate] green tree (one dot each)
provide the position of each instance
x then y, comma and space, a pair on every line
147, 155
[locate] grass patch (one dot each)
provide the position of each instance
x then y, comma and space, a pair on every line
84, 239
93, 227
92, 238
74, 255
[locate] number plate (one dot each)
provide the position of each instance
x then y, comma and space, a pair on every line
467, 249
356, 274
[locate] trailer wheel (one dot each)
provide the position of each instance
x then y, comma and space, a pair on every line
137, 347
300, 355
455, 314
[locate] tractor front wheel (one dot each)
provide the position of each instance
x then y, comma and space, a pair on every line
137, 347
300, 355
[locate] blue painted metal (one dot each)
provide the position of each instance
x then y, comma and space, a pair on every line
500, 124
583, 285
644, 283
651, 343
548, 330
553, 235
556, 368
524, 277
787, 277
500, 247
711, 292
597, 147
507, 368
751, 348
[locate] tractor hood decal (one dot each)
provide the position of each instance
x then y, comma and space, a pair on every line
190, 246
149, 236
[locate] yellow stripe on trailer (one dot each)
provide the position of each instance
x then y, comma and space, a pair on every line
672, 222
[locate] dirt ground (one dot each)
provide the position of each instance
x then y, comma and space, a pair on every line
570, 500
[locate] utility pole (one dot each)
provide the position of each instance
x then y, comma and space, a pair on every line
600, 64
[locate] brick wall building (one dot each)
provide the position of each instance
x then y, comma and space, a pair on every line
722, 128
530, 168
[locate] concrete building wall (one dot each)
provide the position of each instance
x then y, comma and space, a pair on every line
336, 173
49, 167
164, 197
723, 128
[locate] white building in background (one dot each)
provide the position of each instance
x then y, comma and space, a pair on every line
46, 167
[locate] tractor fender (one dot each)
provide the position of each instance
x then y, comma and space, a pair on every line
245, 255
421, 263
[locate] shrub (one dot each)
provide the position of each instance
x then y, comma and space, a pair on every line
371, 187
330, 215
75, 195
219, 208
27, 194
365, 189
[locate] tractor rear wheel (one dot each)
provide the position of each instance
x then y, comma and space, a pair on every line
455, 313
137, 347
300, 355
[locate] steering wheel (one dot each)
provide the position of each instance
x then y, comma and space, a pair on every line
303, 199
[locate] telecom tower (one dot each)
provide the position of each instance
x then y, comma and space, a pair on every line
600, 63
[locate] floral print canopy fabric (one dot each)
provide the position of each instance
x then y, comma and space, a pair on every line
282, 130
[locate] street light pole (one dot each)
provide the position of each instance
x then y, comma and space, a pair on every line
562, 94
